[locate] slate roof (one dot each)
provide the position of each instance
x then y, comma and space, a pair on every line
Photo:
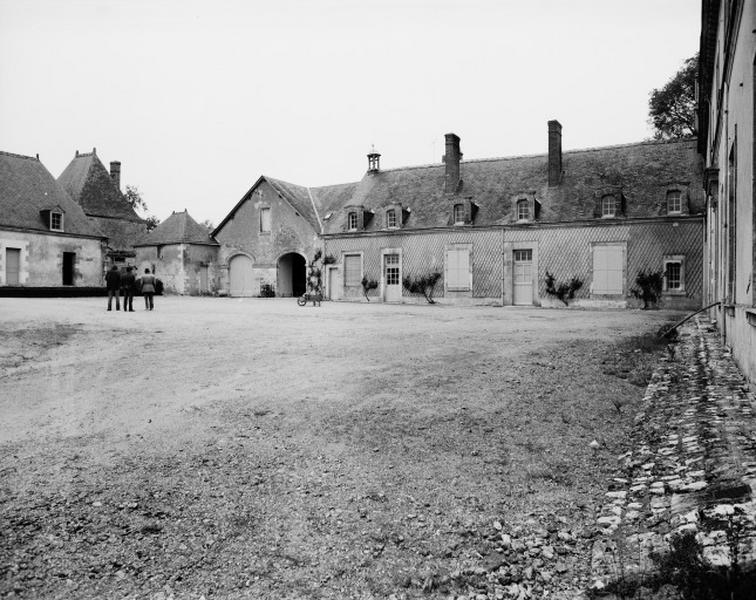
179, 228
643, 172
26, 188
88, 182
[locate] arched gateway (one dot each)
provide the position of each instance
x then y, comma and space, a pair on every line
292, 275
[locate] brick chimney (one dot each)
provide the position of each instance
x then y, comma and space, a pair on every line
555, 153
452, 159
115, 173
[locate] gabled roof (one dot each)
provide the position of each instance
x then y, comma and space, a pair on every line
642, 172
179, 228
27, 188
89, 183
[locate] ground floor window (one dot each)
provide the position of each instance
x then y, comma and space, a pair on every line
352, 269
674, 274
458, 272
608, 269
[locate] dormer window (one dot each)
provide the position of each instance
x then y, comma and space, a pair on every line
391, 218
56, 221
352, 221
459, 214
674, 202
523, 210
608, 206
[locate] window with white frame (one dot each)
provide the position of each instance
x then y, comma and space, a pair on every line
674, 202
608, 206
352, 270
391, 217
56, 221
674, 274
608, 269
459, 214
458, 274
265, 220
352, 221
523, 210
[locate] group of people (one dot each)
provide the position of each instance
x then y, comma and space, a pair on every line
128, 284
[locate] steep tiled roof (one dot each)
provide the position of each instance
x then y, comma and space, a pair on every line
643, 173
88, 182
298, 197
26, 188
179, 228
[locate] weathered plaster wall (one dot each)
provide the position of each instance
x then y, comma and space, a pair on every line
41, 258
290, 232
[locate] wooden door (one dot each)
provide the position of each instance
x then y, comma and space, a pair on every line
523, 277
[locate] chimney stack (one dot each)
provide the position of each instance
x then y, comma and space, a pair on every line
555, 153
452, 159
115, 173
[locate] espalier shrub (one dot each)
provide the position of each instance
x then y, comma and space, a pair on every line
422, 284
563, 291
367, 285
648, 287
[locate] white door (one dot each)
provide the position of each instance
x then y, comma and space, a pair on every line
392, 278
608, 269
523, 277
334, 283
240, 275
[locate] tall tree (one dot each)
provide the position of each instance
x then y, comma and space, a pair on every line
672, 108
134, 198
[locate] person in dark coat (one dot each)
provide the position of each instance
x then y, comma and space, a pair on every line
113, 281
128, 281
148, 289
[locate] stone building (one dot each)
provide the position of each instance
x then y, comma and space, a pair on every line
46, 239
182, 254
267, 240
727, 90
491, 229
98, 192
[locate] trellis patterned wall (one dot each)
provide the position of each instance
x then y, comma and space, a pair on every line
424, 252
566, 252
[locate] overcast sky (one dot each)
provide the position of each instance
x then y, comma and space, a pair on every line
197, 99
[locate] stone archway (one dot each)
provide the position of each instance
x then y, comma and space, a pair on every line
292, 275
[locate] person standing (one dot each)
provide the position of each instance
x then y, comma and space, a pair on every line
128, 282
113, 282
148, 289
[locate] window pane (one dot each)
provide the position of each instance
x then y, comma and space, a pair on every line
459, 213
391, 218
352, 269
608, 206
523, 210
674, 279
352, 220
674, 202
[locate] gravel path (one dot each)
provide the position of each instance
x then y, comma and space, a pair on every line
255, 449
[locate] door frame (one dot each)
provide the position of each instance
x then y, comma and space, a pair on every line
533, 272
384, 252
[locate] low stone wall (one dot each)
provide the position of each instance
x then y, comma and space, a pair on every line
692, 466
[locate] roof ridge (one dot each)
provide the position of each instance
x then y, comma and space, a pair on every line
14, 155
520, 156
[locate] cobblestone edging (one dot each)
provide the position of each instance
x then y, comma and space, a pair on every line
692, 465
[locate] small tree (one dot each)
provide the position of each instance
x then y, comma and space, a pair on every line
563, 291
672, 108
648, 287
208, 224
367, 285
422, 284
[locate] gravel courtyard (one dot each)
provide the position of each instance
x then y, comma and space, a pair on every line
250, 448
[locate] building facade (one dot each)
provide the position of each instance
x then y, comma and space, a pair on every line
46, 239
181, 253
727, 90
